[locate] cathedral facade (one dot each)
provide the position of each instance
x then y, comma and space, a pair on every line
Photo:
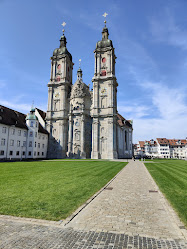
84, 123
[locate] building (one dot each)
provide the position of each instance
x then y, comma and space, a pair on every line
162, 148
84, 123
22, 136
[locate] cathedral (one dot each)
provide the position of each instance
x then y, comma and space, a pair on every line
84, 123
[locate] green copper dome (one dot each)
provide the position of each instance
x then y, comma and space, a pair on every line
62, 50
31, 115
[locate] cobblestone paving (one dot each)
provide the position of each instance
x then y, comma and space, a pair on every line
20, 235
130, 208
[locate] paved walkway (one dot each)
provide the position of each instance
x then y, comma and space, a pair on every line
130, 208
125, 215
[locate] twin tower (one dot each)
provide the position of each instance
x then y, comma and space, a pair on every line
83, 123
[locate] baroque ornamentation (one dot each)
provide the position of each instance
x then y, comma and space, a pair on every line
78, 91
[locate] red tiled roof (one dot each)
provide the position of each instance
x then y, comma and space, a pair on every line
141, 143
122, 121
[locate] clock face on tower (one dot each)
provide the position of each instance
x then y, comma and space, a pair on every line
103, 91
57, 95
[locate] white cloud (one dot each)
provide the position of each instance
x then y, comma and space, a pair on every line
165, 29
171, 109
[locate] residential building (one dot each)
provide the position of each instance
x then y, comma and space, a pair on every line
21, 136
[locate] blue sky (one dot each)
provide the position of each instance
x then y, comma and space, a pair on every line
150, 40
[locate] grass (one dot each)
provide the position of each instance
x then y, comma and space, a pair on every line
51, 190
171, 177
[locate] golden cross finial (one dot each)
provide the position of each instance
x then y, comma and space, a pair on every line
105, 15
63, 24
80, 63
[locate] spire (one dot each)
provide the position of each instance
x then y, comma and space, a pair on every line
105, 33
63, 38
79, 71
63, 41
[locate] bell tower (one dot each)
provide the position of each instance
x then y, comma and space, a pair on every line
104, 111
59, 88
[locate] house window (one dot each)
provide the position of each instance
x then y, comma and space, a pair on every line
42, 153
24, 143
30, 143
43, 146
29, 153
18, 143
31, 134
36, 124
25, 134
3, 141
4, 130
35, 134
11, 142
13, 131
38, 145
2, 152
11, 153
38, 153
17, 153
23, 153
39, 136
35, 153
43, 137
32, 123
19, 132
35, 144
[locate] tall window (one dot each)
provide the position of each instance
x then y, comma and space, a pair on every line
25, 134
31, 134
18, 143
13, 131
2, 141
32, 123
24, 143
30, 143
4, 130
11, 142
2, 152
38, 145
35, 134
19, 132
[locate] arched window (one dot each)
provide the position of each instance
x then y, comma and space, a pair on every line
103, 59
59, 66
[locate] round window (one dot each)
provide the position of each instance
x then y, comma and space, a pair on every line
103, 59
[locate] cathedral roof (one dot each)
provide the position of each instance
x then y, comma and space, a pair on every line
62, 49
122, 121
105, 42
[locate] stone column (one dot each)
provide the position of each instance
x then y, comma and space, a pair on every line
54, 67
70, 136
95, 64
95, 139
51, 70
111, 139
83, 153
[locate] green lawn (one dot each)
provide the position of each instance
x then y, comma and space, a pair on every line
171, 177
51, 190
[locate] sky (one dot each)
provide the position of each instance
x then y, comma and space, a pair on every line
150, 40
